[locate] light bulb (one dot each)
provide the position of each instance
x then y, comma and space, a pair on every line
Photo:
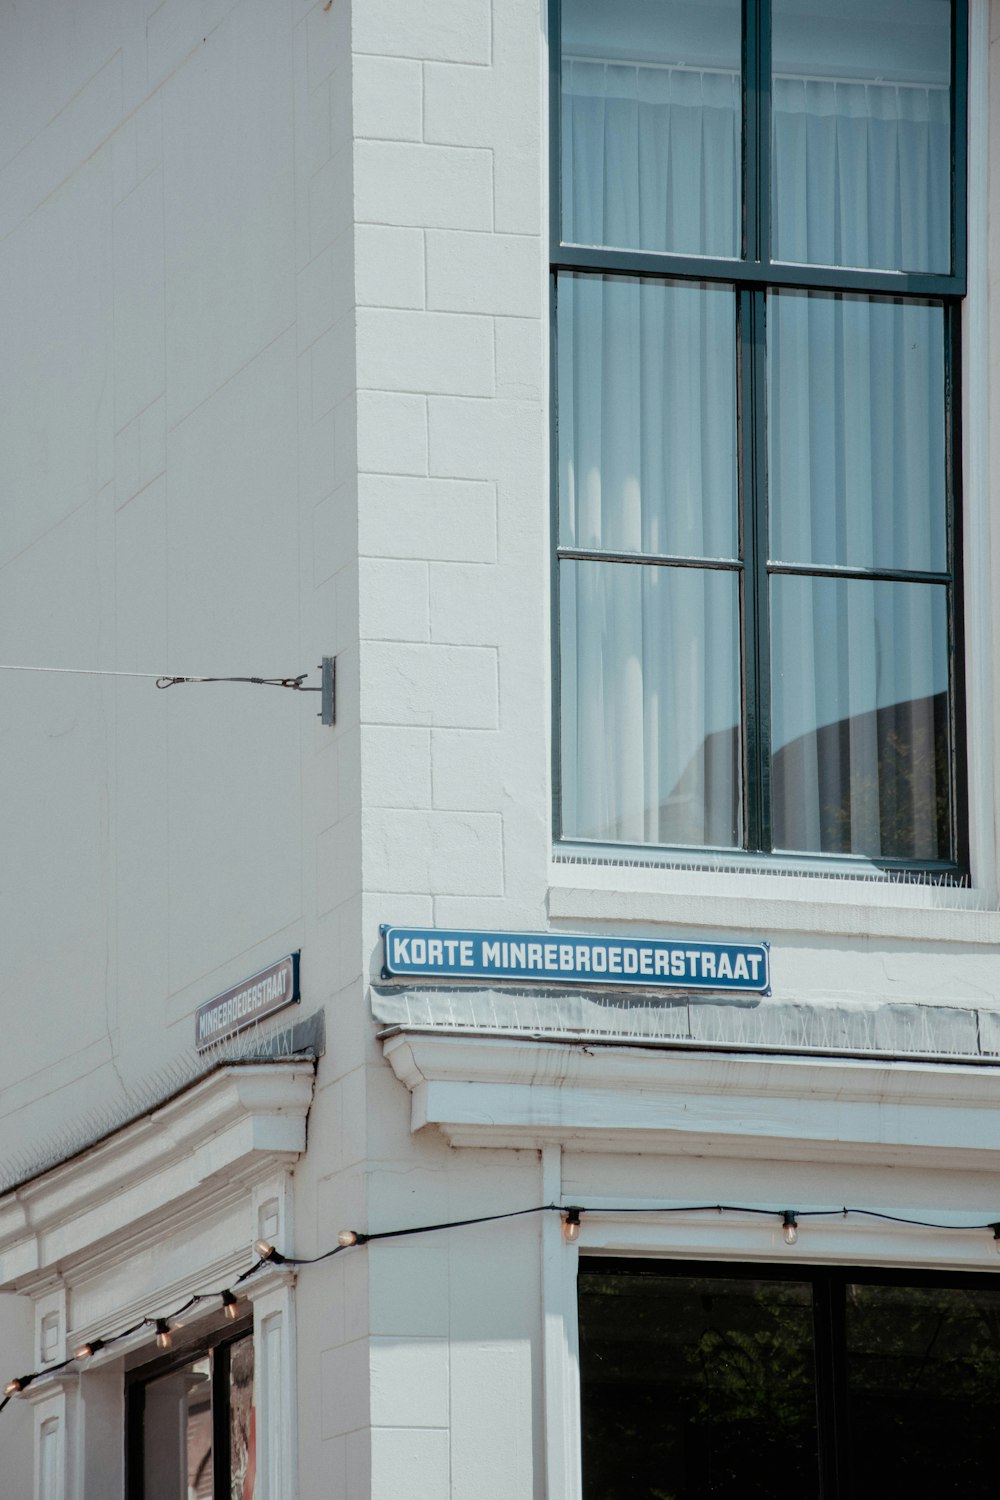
790, 1228
86, 1351
162, 1334
571, 1225
347, 1237
264, 1249
18, 1384
229, 1303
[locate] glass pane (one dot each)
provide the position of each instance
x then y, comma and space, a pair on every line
856, 432
861, 172
651, 125
923, 1373
242, 1421
859, 718
177, 1434
647, 416
695, 1387
650, 685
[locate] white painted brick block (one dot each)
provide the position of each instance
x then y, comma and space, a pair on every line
127, 463
459, 105
433, 518
454, 852
492, 1447
466, 604
396, 766
486, 273
519, 368
451, 686
389, 266
437, 186
409, 1382
517, 191
450, 353
393, 598
482, 439
467, 771
139, 299
331, 367
316, 294
408, 1292
392, 433
152, 441
409, 1461
327, 40
316, 457
338, 863
330, 199
453, 30
344, 1388
388, 98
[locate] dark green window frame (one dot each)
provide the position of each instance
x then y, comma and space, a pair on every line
754, 277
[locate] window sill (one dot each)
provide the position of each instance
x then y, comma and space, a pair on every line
752, 901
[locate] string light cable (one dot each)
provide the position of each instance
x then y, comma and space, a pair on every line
571, 1216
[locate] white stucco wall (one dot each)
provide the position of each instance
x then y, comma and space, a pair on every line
273, 280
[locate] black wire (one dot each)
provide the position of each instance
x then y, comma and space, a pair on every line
391, 1234
283, 682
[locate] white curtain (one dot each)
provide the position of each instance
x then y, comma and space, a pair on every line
650, 655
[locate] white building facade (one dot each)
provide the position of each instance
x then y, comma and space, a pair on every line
609, 397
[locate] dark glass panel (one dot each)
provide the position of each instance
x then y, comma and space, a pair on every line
696, 1387
856, 432
650, 687
651, 125
923, 1379
861, 110
647, 416
860, 732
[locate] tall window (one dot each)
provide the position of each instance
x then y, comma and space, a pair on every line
748, 1383
191, 1424
758, 260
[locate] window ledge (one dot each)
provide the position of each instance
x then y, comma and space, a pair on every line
752, 902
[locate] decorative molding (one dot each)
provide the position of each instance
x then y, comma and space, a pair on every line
184, 1159
491, 1091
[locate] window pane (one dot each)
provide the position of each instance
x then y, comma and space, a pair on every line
862, 138
647, 416
696, 1386
856, 432
923, 1372
242, 1421
651, 125
177, 1434
650, 685
859, 714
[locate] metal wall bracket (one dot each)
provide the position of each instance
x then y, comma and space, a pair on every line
328, 702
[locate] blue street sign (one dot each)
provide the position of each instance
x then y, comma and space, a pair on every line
565, 958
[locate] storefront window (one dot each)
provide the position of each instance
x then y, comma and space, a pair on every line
701, 1381
191, 1425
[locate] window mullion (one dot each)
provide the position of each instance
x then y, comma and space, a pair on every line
756, 646
829, 1329
757, 131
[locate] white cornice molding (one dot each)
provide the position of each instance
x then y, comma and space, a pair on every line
231, 1129
490, 1091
